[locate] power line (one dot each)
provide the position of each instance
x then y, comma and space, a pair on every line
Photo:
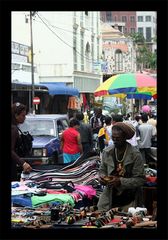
63, 40
65, 31
60, 27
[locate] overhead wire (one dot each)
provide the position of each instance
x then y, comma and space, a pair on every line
88, 59
63, 23
66, 31
64, 41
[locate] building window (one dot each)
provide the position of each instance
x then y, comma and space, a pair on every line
81, 16
148, 34
74, 18
125, 30
92, 24
118, 61
148, 18
92, 47
132, 30
87, 53
140, 30
15, 66
154, 19
140, 18
97, 49
82, 51
108, 16
132, 18
75, 48
115, 19
124, 18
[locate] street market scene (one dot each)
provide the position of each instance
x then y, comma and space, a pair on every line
84, 119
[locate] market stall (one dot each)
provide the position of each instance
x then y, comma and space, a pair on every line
67, 197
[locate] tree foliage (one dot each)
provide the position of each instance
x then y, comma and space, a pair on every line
145, 57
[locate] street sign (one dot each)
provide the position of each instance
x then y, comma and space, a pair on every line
36, 100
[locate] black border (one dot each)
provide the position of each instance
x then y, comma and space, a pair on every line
5, 102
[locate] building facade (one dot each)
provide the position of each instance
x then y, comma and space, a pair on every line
67, 47
126, 21
119, 54
147, 26
144, 22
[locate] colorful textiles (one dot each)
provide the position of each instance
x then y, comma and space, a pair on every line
62, 198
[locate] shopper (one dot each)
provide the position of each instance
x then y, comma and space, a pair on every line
85, 134
97, 120
71, 142
146, 132
121, 171
105, 134
18, 116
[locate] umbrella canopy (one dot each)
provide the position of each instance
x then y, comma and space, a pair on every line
131, 85
135, 95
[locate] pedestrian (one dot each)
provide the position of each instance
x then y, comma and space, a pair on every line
116, 118
71, 142
97, 120
105, 134
146, 132
85, 134
121, 171
134, 140
18, 112
152, 120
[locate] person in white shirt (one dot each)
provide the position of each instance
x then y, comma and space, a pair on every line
133, 141
146, 131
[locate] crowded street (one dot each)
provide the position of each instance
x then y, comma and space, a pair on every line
84, 120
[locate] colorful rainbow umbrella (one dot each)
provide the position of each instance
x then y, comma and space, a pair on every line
130, 85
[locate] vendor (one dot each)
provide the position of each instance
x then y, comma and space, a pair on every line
18, 117
121, 171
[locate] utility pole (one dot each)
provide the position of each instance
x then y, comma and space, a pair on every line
32, 61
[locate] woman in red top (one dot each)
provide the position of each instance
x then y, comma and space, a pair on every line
71, 142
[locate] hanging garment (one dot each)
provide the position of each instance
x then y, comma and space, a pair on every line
72, 103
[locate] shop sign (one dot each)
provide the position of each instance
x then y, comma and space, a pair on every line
20, 49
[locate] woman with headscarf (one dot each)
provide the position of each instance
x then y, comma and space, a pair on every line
121, 171
18, 117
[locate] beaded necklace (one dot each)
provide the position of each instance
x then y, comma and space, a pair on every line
115, 150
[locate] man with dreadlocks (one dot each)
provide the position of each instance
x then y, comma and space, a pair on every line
121, 171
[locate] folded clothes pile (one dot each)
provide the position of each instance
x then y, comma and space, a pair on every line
76, 184
81, 172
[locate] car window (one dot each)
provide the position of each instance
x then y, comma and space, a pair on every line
39, 127
60, 127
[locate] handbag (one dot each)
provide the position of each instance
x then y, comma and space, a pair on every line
24, 144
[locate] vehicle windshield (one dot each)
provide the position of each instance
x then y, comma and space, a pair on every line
38, 127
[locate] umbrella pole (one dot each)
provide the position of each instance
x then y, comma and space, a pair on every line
132, 108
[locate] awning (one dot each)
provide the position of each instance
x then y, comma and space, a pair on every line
60, 88
21, 86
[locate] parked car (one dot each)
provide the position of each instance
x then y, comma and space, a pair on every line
46, 130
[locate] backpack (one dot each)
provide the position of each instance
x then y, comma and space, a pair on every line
24, 144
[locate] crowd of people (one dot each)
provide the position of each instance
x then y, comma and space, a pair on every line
124, 148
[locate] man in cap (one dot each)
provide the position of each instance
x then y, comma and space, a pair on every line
121, 171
